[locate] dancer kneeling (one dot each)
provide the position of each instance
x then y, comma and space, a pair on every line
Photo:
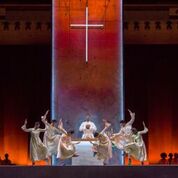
137, 148
66, 149
38, 150
103, 147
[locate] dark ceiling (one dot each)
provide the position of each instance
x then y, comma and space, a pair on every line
125, 1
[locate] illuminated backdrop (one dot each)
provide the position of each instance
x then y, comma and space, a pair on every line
96, 87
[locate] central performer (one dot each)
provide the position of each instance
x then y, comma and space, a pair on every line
88, 128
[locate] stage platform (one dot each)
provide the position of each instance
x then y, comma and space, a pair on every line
89, 172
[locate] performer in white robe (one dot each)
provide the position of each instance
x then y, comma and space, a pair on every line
124, 136
88, 128
137, 148
103, 147
38, 150
66, 149
51, 137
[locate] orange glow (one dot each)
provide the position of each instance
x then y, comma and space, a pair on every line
15, 141
16, 145
162, 135
134, 162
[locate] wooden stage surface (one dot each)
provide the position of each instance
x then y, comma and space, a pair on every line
89, 172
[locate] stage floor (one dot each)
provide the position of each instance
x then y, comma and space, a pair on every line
89, 172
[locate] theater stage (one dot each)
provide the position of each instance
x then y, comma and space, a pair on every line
89, 172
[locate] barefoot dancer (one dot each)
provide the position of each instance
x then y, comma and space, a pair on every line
38, 150
137, 148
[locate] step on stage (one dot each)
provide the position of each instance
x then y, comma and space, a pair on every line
89, 172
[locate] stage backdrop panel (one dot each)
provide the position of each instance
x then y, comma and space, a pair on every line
93, 85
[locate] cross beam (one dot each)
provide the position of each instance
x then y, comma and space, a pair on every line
87, 25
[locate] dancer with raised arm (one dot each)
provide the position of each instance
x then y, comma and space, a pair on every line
137, 148
88, 128
51, 137
38, 150
124, 136
66, 149
103, 147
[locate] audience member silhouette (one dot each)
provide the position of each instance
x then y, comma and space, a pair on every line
6, 161
0, 161
163, 159
170, 155
175, 159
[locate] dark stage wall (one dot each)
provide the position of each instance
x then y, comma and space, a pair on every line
151, 87
24, 93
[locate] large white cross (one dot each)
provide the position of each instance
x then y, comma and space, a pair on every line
87, 25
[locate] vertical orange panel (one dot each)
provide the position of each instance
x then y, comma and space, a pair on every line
95, 87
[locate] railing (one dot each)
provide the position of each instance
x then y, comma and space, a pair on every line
24, 26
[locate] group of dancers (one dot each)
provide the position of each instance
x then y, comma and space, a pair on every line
58, 141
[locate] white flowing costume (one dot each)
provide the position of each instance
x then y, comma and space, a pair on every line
137, 148
38, 150
66, 149
51, 138
87, 133
103, 147
124, 136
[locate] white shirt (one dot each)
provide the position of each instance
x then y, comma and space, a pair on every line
87, 133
